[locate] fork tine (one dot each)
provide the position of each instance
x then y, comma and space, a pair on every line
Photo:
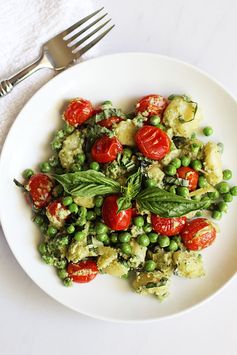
79, 23
92, 43
75, 46
71, 39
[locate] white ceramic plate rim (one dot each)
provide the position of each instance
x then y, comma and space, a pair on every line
52, 81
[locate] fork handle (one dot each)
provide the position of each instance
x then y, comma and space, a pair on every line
7, 85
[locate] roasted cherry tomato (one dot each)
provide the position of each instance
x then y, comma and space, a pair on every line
108, 122
116, 221
57, 213
168, 226
152, 142
40, 187
184, 172
152, 105
78, 111
106, 149
198, 234
82, 272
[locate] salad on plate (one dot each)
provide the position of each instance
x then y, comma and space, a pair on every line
133, 195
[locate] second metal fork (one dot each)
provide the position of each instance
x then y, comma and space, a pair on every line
61, 51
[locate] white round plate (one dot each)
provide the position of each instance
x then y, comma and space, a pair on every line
122, 78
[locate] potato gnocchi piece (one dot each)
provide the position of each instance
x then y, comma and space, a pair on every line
188, 264
107, 256
115, 268
163, 260
87, 202
154, 172
72, 146
212, 163
78, 251
138, 254
152, 283
125, 132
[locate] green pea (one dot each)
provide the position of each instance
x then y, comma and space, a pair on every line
51, 231
227, 197
125, 237
114, 238
176, 162
27, 173
126, 248
68, 129
196, 165
172, 189
216, 215
95, 166
48, 259
80, 158
182, 191
81, 221
101, 228
83, 212
214, 195
107, 241
139, 221
102, 237
143, 240
170, 170
227, 174
62, 273
60, 264
222, 206
42, 248
45, 167
173, 246
185, 161
73, 208
223, 187
98, 211
39, 220
79, 236
149, 265
207, 131
99, 201
155, 120
198, 214
220, 147
67, 282
53, 161
67, 201
202, 182
153, 237
76, 167
163, 241
71, 229
64, 240
59, 134
91, 215
151, 183
56, 144
233, 191
147, 228
127, 152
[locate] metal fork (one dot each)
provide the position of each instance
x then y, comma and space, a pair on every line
61, 51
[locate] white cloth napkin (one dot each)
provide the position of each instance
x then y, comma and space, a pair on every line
25, 25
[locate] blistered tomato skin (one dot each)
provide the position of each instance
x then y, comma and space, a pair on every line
184, 172
78, 111
40, 188
108, 122
116, 221
106, 149
198, 234
152, 142
152, 105
82, 272
168, 226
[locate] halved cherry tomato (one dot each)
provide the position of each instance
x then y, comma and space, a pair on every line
116, 221
78, 111
57, 213
108, 122
152, 142
151, 105
106, 149
184, 172
82, 272
198, 234
168, 226
40, 187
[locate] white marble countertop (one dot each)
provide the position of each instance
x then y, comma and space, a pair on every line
201, 33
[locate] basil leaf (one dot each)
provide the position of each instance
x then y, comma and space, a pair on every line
166, 204
123, 203
87, 183
130, 191
176, 181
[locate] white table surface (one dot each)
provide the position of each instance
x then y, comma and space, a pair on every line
200, 32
